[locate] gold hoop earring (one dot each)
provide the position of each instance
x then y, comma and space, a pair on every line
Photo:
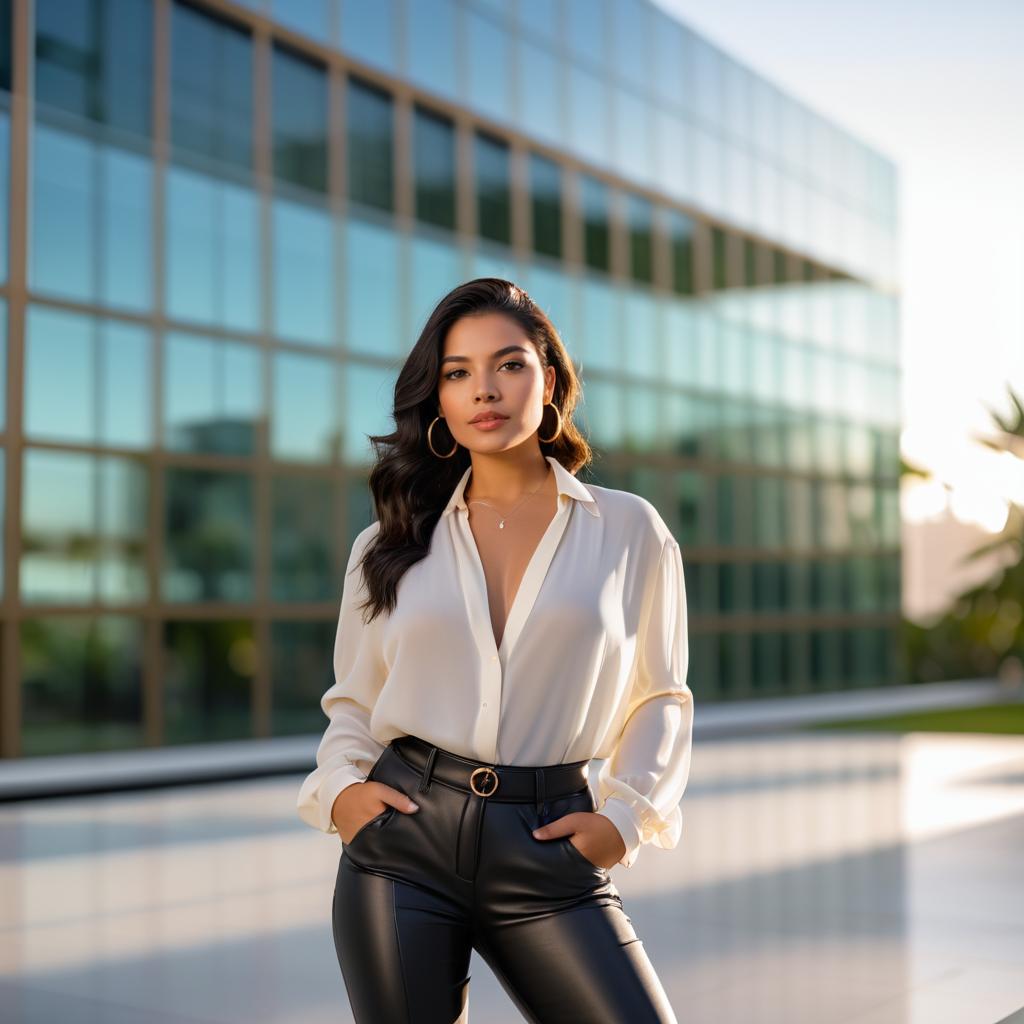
548, 440
430, 444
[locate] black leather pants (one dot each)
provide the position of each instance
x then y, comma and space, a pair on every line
416, 893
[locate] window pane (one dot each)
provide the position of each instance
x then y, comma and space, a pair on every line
489, 66
546, 204
594, 201
434, 168
493, 185
87, 379
212, 393
719, 259
540, 92
208, 681
303, 552
372, 266
211, 87
430, 53
303, 273
310, 17
641, 240
93, 59
601, 336
681, 228
5, 200
435, 268
209, 542
213, 251
90, 221
84, 528
369, 399
370, 145
6, 70
585, 30
589, 106
304, 422
370, 31
81, 687
299, 128
301, 670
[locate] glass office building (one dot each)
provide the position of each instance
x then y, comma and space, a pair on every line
224, 225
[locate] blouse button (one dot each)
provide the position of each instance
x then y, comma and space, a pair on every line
494, 657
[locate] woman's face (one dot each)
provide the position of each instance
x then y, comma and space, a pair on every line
490, 365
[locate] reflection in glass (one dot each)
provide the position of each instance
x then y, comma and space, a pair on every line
370, 145
681, 242
311, 17
303, 272
211, 87
642, 335
493, 188
585, 30
434, 167
301, 670
600, 414
81, 685
209, 540
645, 422
369, 399
303, 535
594, 203
299, 113
431, 56
634, 153
304, 421
209, 668
435, 268
212, 395
540, 92
93, 59
589, 109
87, 379
5, 199
370, 31
213, 251
640, 214
488, 66
631, 26
90, 221
546, 205
372, 268
83, 528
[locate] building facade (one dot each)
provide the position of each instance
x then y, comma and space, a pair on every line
224, 225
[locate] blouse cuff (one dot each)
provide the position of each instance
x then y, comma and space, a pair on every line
624, 818
315, 804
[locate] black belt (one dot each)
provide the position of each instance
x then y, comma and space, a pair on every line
501, 782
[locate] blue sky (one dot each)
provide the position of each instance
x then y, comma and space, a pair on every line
938, 87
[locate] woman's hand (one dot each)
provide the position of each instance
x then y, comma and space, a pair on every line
357, 803
596, 837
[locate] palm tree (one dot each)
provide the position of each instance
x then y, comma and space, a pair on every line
983, 633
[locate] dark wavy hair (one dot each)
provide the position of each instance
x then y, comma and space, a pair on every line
409, 483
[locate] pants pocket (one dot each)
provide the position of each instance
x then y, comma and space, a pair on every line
378, 821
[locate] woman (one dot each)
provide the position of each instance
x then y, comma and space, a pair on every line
520, 624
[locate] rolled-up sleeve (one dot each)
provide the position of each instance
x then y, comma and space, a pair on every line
640, 785
347, 749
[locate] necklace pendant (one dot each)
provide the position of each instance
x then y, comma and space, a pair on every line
501, 525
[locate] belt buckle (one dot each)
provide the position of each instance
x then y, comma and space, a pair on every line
488, 772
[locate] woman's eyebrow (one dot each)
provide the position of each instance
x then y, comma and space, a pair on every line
494, 355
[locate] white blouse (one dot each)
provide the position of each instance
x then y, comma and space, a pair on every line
592, 662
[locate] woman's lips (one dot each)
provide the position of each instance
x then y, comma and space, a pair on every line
491, 424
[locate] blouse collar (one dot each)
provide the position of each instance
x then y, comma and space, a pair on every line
567, 484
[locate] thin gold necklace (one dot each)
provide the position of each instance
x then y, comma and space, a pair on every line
501, 525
